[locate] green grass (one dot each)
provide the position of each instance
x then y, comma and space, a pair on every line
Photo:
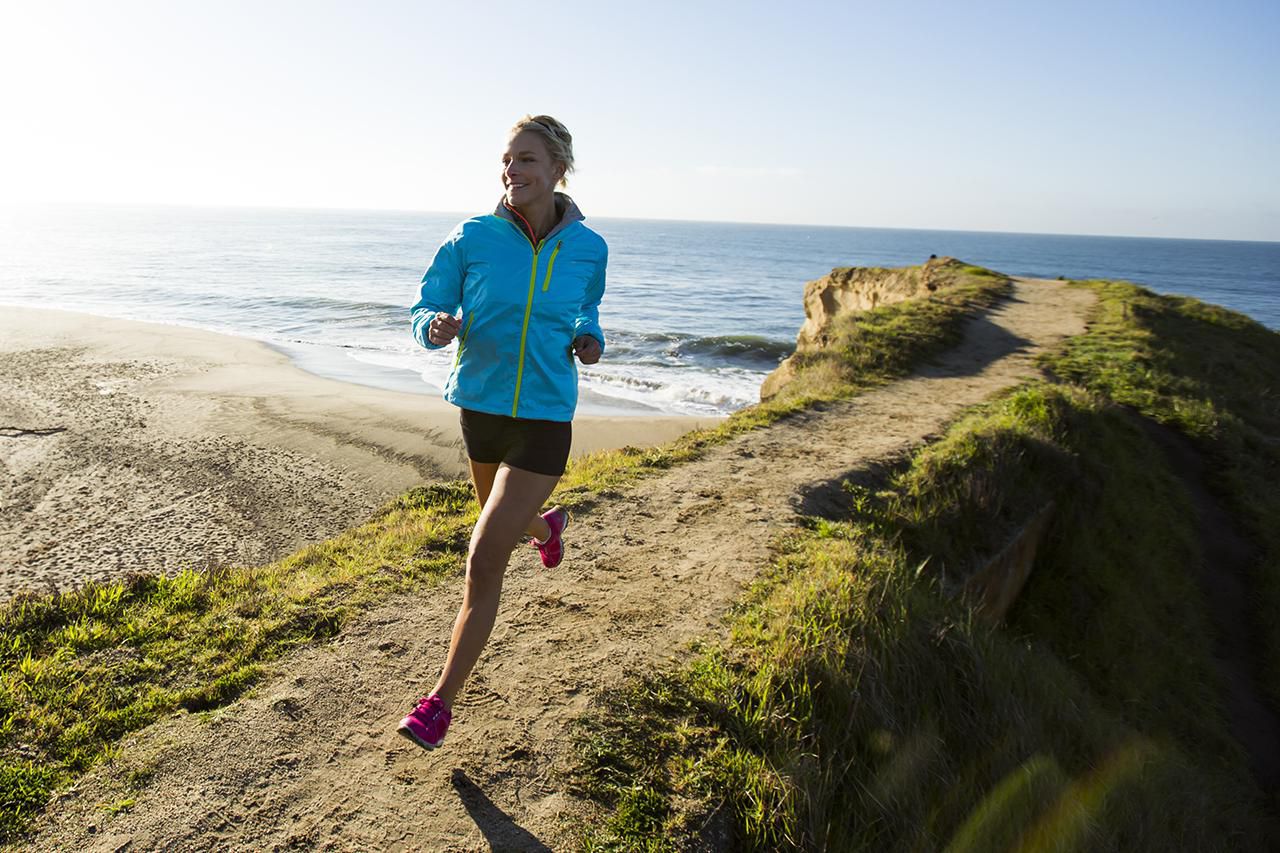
82, 669
122, 805
856, 705
1214, 375
1114, 594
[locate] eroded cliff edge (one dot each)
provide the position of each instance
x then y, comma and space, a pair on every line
846, 290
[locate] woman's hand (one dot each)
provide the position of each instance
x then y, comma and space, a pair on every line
587, 349
443, 328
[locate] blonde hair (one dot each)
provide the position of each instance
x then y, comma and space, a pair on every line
557, 137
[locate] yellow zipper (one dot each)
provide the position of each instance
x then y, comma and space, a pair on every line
462, 341
546, 282
524, 330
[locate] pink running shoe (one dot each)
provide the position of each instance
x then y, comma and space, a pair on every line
552, 551
426, 724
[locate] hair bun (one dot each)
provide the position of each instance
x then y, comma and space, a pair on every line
556, 136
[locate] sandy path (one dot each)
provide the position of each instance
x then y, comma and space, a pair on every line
310, 760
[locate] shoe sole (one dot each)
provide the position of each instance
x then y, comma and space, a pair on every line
534, 542
567, 519
427, 745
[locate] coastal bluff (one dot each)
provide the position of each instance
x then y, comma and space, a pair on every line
351, 620
991, 581
852, 289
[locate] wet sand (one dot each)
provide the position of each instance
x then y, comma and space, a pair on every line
131, 446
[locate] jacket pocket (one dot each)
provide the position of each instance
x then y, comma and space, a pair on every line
551, 263
462, 339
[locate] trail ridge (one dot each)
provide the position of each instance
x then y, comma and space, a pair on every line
310, 759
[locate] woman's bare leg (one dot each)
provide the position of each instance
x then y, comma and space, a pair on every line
482, 475
514, 497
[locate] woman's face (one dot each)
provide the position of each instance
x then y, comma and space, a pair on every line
528, 172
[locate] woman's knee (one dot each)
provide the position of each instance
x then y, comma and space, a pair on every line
483, 579
486, 560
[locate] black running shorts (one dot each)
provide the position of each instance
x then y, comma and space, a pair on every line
538, 446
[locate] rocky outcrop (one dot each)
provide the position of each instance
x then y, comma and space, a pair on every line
995, 586
848, 289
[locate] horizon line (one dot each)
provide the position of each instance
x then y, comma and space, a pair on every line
410, 210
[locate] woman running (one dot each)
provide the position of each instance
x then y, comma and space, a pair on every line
528, 280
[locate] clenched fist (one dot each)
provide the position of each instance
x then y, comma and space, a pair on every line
587, 349
443, 328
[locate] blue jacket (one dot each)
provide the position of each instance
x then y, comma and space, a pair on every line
522, 306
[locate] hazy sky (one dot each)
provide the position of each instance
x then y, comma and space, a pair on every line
1113, 118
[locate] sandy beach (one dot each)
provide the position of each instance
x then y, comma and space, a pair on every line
132, 446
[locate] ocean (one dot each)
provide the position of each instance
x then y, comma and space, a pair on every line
696, 313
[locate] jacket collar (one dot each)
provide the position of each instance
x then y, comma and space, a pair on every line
565, 206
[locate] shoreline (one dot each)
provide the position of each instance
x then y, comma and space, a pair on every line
334, 362
330, 363
128, 446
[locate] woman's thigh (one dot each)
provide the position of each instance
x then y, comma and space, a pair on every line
515, 498
482, 476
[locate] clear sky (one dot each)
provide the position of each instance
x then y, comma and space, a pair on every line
1130, 118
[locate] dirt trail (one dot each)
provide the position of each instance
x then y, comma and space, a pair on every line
311, 760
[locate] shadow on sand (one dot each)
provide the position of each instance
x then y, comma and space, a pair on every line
985, 341
499, 830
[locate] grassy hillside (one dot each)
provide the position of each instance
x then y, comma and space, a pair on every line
80, 670
1214, 376
856, 706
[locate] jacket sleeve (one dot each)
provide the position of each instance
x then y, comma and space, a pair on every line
588, 319
441, 287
